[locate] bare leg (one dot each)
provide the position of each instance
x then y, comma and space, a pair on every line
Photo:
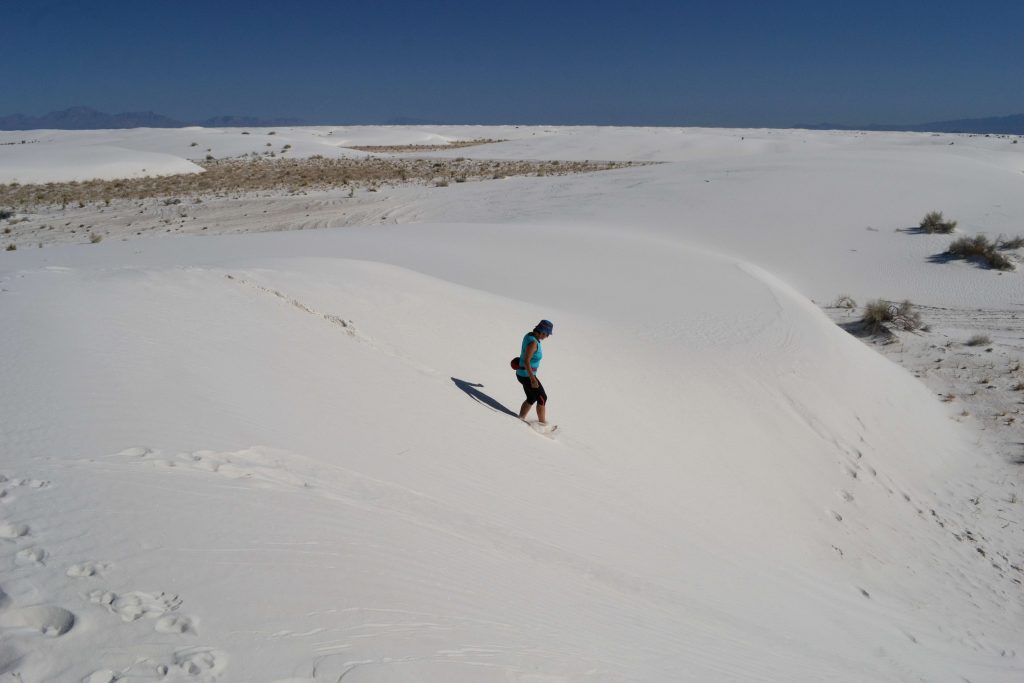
524, 410
542, 411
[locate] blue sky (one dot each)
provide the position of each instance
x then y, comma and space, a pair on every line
731, 62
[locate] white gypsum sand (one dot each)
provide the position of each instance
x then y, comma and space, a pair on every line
285, 456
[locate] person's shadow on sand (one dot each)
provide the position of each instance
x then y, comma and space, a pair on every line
479, 396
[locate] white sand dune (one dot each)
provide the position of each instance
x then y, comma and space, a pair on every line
48, 162
61, 156
287, 456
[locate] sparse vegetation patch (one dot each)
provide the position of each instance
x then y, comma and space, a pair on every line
980, 248
294, 175
844, 301
400, 149
880, 314
933, 222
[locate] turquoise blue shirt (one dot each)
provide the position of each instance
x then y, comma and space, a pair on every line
534, 360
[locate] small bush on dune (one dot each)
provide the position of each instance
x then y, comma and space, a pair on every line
5, 214
879, 312
980, 248
978, 340
844, 301
876, 314
12, 247
933, 222
998, 261
1013, 243
94, 238
968, 247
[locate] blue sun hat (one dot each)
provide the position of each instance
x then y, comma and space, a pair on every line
545, 326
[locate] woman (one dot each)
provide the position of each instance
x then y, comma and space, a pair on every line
529, 360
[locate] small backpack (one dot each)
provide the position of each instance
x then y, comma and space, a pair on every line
515, 363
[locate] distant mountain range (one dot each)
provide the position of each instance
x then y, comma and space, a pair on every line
86, 118
996, 125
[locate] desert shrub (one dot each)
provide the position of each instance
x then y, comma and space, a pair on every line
194, 144
978, 340
209, 157
12, 247
5, 214
287, 147
933, 222
879, 312
998, 261
1012, 243
980, 248
844, 301
94, 238
441, 183
970, 247
273, 132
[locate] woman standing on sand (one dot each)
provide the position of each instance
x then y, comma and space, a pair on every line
529, 361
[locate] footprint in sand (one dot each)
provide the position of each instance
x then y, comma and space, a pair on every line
176, 623
197, 662
31, 483
135, 605
31, 556
43, 619
10, 530
87, 569
8, 485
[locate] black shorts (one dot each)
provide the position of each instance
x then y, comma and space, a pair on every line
533, 395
